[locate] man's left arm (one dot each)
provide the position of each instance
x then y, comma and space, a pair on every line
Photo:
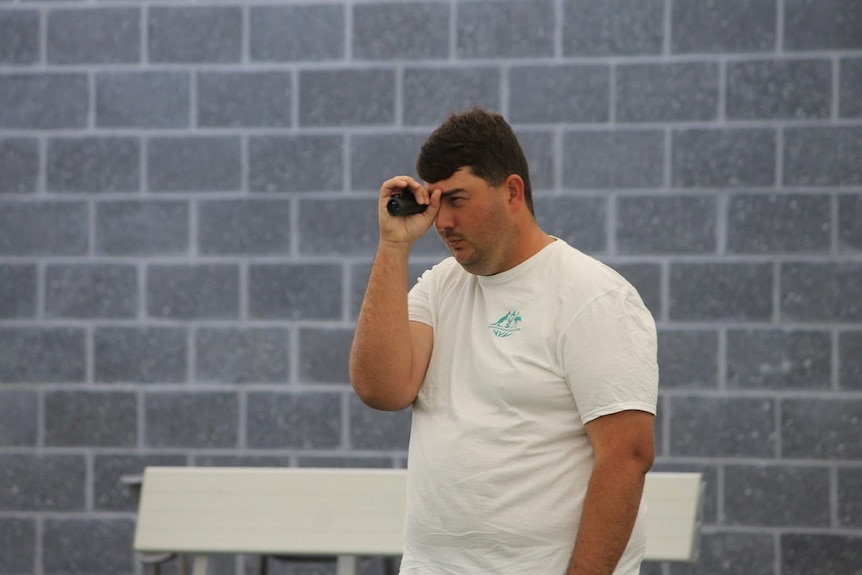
624, 449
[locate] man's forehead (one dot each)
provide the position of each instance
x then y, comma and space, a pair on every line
461, 176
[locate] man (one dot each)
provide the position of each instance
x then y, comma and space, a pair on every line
531, 369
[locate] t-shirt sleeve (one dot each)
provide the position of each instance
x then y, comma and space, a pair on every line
419, 300
609, 353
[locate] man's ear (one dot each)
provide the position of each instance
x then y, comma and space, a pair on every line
515, 188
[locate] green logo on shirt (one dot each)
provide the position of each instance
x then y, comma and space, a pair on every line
506, 325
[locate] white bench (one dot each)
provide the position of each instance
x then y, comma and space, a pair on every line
345, 513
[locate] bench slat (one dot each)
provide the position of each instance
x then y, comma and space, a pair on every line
339, 512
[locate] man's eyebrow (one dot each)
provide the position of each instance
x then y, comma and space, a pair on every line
451, 192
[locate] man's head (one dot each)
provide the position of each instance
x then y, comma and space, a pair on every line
480, 140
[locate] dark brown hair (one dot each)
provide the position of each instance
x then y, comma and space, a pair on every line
478, 139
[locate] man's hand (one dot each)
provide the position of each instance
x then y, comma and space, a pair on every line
405, 230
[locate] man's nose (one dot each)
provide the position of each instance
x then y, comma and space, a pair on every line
443, 221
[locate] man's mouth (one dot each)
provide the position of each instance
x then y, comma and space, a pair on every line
454, 241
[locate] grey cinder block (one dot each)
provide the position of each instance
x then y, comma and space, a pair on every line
675, 92
48, 101
109, 164
540, 150
42, 482
342, 227
731, 552
294, 291
91, 418
721, 291
613, 159
140, 354
242, 355
347, 97
559, 93
426, 104
735, 157
772, 359
825, 429
776, 495
323, 355
142, 227
821, 292
19, 420
244, 99
297, 420
197, 291
688, 359
194, 163
19, 36
376, 158
728, 26
17, 291
47, 228
143, 99
287, 33
254, 226
779, 223
775, 89
825, 25
91, 290
88, 546
823, 156
505, 29
296, 163
42, 354
17, 545
191, 419
581, 222
722, 427
850, 88
19, 164
681, 224
94, 35
803, 553
612, 27
195, 34
850, 497
850, 360
397, 31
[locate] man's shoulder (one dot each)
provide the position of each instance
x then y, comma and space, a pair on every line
579, 269
447, 272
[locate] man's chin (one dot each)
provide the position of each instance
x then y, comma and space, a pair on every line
469, 262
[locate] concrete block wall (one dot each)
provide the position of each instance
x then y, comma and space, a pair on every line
187, 219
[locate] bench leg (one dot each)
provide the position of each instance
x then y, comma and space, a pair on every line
199, 567
347, 565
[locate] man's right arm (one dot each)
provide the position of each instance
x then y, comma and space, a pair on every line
390, 353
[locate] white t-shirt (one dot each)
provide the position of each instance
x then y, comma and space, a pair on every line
499, 459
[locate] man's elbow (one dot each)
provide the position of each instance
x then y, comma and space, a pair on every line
376, 397
641, 457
